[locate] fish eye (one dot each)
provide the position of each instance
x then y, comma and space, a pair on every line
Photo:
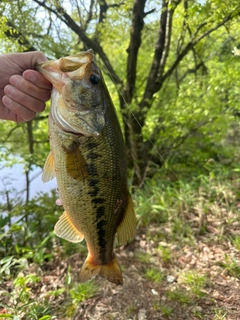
94, 79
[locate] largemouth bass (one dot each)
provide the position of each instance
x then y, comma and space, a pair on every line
88, 159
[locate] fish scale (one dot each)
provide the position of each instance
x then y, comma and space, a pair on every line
88, 159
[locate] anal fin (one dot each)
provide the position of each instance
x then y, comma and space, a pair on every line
127, 228
65, 229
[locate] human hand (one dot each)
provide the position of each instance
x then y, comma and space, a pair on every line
23, 90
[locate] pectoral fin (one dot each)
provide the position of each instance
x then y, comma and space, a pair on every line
76, 165
65, 229
127, 228
48, 169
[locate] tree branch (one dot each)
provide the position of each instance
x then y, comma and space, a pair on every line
160, 56
30, 136
90, 14
192, 70
190, 45
134, 45
104, 7
168, 33
90, 43
159, 47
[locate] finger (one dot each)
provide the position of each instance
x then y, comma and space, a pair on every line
36, 78
5, 113
29, 88
23, 99
16, 112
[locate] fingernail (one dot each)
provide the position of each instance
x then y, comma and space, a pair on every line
14, 80
29, 75
7, 101
9, 90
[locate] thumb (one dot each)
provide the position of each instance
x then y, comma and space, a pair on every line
33, 58
27, 60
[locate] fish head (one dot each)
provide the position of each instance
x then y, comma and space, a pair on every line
78, 96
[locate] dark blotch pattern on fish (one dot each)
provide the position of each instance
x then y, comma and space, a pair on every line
100, 212
98, 200
91, 145
92, 170
101, 232
101, 236
93, 183
93, 156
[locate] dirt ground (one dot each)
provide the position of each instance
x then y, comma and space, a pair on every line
164, 278
143, 299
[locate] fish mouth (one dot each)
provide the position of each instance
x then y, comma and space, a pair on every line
77, 134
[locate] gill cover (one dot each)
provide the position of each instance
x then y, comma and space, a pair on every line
77, 100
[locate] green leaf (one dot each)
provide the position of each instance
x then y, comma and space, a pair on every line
45, 318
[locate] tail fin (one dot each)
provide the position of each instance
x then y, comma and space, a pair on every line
110, 271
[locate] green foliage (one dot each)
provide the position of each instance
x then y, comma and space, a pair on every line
171, 201
154, 275
220, 315
8, 263
20, 301
78, 294
231, 266
179, 296
166, 310
236, 242
143, 257
165, 254
194, 281
83, 291
31, 233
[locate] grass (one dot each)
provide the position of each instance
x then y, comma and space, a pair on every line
165, 254
220, 315
143, 257
162, 202
154, 275
236, 242
231, 266
194, 281
78, 294
83, 292
166, 310
179, 295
